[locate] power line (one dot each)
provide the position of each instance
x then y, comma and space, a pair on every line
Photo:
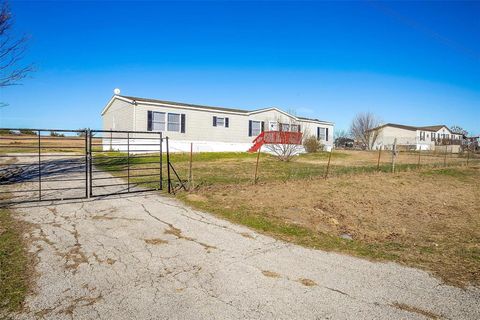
425, 30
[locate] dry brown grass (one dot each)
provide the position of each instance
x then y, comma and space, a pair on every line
16, 263
370, 158
29, 144
428, 219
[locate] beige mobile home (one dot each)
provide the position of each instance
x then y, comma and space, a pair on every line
208, 128
416, 138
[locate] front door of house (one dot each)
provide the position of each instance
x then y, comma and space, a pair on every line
272, 125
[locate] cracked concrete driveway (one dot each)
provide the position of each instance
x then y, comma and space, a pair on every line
150, 257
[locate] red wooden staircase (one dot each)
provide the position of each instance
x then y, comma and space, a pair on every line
258, 142
275, 137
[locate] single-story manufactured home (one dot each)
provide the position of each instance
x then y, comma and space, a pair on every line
415, 138
209, 128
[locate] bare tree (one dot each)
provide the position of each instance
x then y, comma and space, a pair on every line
12, 50
459, 130
287, 145
363, 128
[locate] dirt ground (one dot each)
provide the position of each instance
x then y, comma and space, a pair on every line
371, 158
428, 219
29, 143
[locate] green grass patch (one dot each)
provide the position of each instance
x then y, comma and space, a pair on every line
13, 264
448, 172
323, 155
210, 168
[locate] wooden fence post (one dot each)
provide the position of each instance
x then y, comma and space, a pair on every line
378, 160
328, 164
190, 173
419, 156
445, 157
394, 154
256, 166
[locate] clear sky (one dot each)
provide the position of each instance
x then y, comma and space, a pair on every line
414, 63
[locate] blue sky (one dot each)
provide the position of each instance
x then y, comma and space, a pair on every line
415, 63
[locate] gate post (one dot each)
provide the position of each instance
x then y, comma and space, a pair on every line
168, 166
39, 166
161, 162
128, 161
89, 134
85, 132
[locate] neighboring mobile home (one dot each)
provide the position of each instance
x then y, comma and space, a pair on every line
416, 138
208, 128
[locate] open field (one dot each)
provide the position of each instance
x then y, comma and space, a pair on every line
235, 168
428, 219
29, 144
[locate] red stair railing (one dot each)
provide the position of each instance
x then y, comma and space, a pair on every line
276, 137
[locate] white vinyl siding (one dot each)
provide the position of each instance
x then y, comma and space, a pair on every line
119, 116
198, 124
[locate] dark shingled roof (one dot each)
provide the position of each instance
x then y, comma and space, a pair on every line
311, 119
401, 126
435, 128
184, 104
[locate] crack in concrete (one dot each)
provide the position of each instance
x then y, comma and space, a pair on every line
175, 231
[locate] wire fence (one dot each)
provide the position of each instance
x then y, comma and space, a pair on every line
204, 169
208, 169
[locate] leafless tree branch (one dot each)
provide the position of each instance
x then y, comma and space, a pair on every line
12, 51
363, 127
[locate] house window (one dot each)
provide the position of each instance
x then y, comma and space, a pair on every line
220, 122
173, 122
158, 121
256, 128
285, 127
322, 134
433, 136
294, 128
422, 135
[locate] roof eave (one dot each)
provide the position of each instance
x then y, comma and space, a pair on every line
114, 97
